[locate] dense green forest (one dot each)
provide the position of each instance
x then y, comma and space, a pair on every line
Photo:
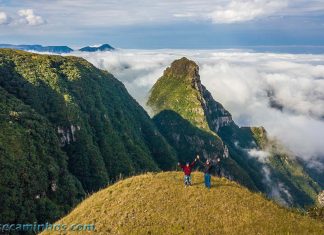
35, 184
67, 128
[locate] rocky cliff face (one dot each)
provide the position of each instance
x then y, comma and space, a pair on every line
193, 122
217, 116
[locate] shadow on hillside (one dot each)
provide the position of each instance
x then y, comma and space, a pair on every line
189, 140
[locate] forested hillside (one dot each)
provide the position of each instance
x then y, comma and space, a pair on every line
67, 128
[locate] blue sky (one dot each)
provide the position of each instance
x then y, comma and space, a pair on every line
150, 24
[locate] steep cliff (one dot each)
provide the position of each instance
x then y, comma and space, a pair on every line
194, 123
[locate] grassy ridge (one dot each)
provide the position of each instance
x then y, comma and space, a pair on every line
159, 204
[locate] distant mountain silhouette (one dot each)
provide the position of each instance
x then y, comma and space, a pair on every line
57, 49
39, 48
103, 47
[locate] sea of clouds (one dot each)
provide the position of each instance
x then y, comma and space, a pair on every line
282, 92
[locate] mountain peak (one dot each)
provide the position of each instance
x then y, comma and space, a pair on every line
180, 90
183, 66
186, 69
103, 47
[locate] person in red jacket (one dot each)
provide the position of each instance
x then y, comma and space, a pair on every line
187, 171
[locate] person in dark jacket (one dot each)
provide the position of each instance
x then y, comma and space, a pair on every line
218, 167
208, 167
187, 171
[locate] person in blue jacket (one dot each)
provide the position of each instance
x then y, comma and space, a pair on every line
208, 167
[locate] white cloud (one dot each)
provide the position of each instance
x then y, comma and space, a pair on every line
261, 156
127, 12
241, 81
4, 19
240, 11
29, 17
183, 15
277, 190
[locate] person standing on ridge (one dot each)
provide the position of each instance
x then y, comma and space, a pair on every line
219, 161
208, 166
218, 167
226, 153
187, 171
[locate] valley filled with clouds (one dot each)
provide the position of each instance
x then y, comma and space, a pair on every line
282, 92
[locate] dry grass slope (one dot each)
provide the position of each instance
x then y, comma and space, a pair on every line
159, 204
